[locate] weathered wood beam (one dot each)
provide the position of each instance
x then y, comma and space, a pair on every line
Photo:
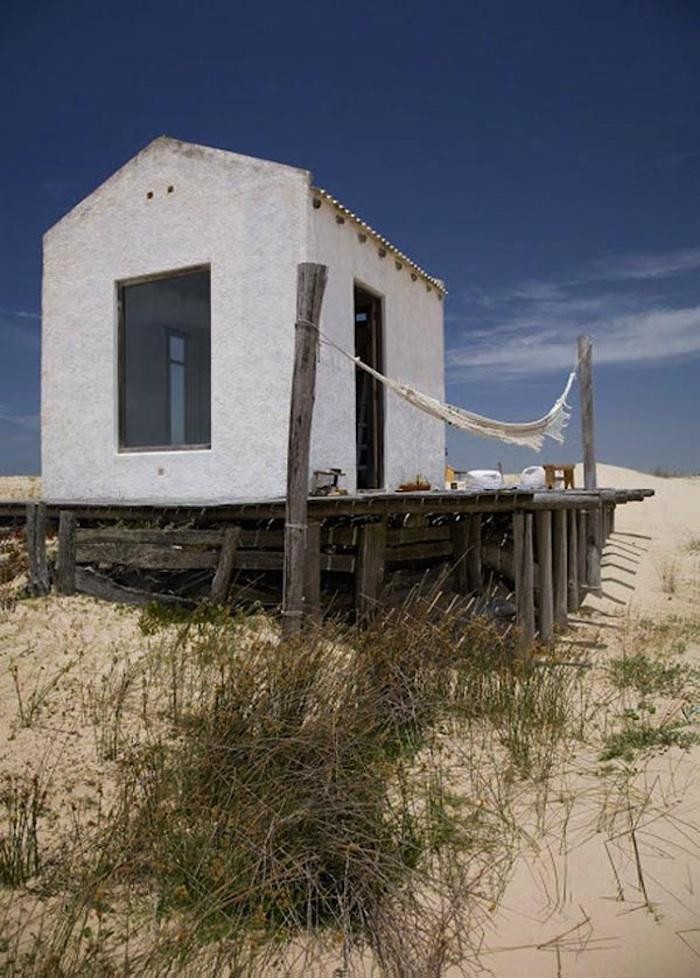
524, 581
499, 558
560, 567
181, 538
459, 541
311, 285
88, 581
273, 560
369, 574
39, 582
574, 597
221, 584
581, 536
593, 550
65, 563
418, 534
545, 576
430, 550
475, 574
150, 556
312, 584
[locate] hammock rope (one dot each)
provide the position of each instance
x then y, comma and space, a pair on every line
530, 434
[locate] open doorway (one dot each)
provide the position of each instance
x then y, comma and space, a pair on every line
369, 394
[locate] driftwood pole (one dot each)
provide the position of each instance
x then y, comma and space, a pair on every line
592, 540
585, 379
311, 284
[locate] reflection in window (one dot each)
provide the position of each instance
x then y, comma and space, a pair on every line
165, 362
177, 379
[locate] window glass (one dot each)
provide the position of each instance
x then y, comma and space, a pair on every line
165, 369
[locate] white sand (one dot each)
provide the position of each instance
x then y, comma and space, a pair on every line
20, 487
572, 883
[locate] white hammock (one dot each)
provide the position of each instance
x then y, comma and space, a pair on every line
531, 434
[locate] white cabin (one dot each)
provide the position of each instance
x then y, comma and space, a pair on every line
168, 308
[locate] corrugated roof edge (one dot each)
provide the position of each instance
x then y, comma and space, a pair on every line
346, 212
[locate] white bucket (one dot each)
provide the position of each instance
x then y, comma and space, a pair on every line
485, 479
532, 478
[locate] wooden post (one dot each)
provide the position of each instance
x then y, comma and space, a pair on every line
65, 564
592, 542
311, 284
475, 580
36, 549
607, 523
585, 380
574, 599
312, 584
467, 554
369, 570
561, 572
543, 523
582, 518
524, 581
221, 584
459, 533
593, 549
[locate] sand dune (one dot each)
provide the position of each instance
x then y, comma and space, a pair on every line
571, 889
576, 885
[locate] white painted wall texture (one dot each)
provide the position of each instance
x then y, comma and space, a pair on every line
413, 353
252, 222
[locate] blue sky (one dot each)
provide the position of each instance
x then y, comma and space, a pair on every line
541, 157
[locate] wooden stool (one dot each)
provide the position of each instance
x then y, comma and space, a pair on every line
559, 473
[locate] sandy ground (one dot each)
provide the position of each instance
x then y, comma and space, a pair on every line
58, 650
566, 913
20, 487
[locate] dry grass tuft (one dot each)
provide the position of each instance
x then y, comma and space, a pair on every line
669, 577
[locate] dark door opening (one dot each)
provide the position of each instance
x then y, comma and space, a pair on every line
369, 394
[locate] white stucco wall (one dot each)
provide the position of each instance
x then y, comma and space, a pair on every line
252, 222
413, 353
246, 219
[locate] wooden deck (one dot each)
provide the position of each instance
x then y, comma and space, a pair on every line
544, 546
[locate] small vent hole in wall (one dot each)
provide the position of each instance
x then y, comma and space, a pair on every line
170, 188
149, 195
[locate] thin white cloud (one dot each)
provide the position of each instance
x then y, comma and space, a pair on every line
20, 313
654, 336
28, 422
639, 267
531, 329
19, 326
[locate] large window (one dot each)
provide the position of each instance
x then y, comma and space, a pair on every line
165, 362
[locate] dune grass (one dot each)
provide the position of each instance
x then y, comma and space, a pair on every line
302, 808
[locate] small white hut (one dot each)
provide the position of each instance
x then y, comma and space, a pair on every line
169, 299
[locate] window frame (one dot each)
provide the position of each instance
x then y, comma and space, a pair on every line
120, 286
